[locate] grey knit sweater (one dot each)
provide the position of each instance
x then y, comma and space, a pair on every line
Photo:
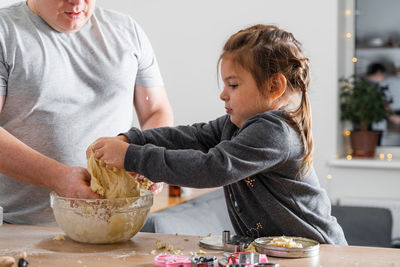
256, 164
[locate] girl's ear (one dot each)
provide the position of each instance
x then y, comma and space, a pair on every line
277, 85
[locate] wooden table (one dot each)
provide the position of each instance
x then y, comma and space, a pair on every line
42, 250
163, 200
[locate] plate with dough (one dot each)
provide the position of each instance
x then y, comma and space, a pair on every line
287, 246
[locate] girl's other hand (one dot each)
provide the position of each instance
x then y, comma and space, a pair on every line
110, 152
155, 187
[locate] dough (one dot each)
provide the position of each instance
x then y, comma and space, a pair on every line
283, 241
59, 238
6, 261
114, 219
116, 183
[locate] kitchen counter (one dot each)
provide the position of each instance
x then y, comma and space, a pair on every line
42, 250
163, 201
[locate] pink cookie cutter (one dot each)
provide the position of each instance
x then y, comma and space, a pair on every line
169, 260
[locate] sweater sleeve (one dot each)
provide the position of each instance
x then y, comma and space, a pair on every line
199, 136
260, 145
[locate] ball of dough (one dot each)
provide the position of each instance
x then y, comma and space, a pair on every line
6, 261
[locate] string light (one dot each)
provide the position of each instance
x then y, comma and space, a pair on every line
346, 133
329, 176
348, 35
389, 156
347, 12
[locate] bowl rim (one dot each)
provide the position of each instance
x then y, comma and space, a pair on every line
146, 193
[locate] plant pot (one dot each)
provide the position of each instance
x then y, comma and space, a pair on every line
364, 143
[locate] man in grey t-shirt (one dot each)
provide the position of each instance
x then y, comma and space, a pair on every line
69, 73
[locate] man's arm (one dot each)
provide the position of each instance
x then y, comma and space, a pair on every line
152, 107
153, 110
2, 101
25, 164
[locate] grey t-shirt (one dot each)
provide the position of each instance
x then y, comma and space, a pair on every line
257, 165
64, 90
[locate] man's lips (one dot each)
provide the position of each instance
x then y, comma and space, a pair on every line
74, 15
228, 110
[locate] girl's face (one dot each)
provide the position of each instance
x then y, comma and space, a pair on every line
240, 94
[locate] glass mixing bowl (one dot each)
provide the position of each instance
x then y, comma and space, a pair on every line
101, 221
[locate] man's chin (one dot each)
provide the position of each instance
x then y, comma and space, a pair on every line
69, 27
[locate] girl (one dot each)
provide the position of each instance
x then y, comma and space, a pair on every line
260, 152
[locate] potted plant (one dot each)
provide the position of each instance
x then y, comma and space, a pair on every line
362, 102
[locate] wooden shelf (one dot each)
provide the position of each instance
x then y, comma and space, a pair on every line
377, 47
366, 164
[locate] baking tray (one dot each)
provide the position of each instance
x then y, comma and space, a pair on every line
310, 248
212, 242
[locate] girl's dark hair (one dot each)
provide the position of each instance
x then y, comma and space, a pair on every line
265, 50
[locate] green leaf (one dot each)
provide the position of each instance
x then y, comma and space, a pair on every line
362, 101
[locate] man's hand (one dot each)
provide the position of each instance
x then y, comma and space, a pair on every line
75, 183
110, 152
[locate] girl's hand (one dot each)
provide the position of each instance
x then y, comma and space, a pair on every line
110, 152
155, 187
89, 150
